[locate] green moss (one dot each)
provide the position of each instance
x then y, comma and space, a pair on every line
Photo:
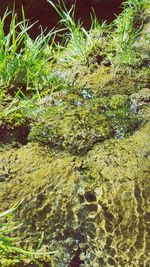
104, 81
78, 128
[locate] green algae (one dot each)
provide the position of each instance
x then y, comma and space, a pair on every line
98, 202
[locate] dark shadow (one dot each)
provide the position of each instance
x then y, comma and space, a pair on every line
17, 135
76, 262
44, 13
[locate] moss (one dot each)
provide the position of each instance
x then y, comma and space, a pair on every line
105, 81
79, 123
75, 130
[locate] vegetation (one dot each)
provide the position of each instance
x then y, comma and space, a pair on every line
114, 41
79, 43
11, 254
36, 92
23, 61
77, 127
127, 29
27, 67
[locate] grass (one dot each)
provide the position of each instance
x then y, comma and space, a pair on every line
27, 67
114, 41
22, 60
24, 75
126, 30
79, 42
11, 253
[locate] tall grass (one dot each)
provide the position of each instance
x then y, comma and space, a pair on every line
25, 67
22, 60
80, 43
126, 32
120, 35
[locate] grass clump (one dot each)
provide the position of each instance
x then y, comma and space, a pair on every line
127, 29
113, 42
24, 75
22, 60
79, 42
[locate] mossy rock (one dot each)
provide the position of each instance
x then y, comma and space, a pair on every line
78, 128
